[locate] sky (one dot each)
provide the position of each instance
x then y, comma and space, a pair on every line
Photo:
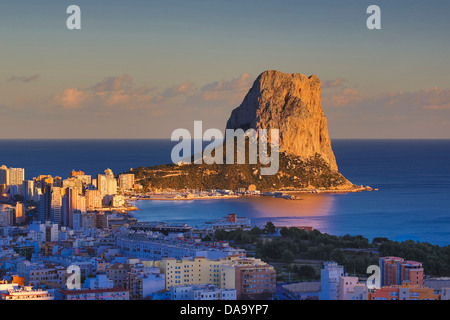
143, 68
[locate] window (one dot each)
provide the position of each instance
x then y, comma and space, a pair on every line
394, 294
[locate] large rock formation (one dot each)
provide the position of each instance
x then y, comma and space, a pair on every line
290, 103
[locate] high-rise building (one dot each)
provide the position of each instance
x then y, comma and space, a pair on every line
4, 175
126, 181
70, 200
15, 190
57, 182
20, 213
396, 271
56, 206
81, 204
76, 173
330, 275
43, 181
11, 176
73, 183
28, 190
45, 204
93, 199
106, 183
76, 220
412, 273
6, 217
16, 176
252, 278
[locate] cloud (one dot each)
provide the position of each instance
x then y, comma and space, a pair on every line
345, 97
123, 82
180, 89
428, 99
115, 106
341, 96
119, 93
71, 98
336, 94
414, 114
244, 81
227, 91
438, 107
23, 79
332, 83
110, 92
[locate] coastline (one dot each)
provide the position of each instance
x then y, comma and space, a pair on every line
184, 198
282, 194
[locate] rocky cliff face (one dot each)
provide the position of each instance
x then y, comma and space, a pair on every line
290, 103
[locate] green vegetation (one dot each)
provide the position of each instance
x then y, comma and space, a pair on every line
435, 259
295, 173
291, 251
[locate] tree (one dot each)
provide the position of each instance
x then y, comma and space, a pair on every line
220, 234
284, 232
255, 231
306, 272
287, 256
269, 228
338, 256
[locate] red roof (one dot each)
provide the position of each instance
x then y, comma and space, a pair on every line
84, 291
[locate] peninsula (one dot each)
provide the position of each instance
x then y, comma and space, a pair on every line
290, 103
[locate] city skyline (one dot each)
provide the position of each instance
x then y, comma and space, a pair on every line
142, 70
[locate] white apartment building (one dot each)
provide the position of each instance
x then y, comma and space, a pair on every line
330, 274
201, 292
155, 247
27, 293
350, 288
36, 274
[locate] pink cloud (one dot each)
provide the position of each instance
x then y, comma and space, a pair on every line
110, 92
230, 91
332, 83
71, 98
346, 97
438, 107
180, 89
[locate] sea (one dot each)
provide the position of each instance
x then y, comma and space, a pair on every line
412, 178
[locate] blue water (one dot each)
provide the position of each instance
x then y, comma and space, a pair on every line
60, 157
413, 177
